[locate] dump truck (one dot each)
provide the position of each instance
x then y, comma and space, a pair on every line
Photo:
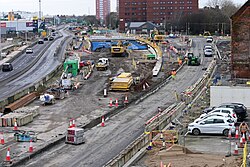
193, 60
119, 49
102, 64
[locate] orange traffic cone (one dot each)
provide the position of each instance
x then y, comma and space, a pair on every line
237, 133
31, 147
243, 138
73, 123
126, 99
15, 126
116, 102
110, 102
2, 138
102, 124
70, 123
8, 155
241, 143
236, 151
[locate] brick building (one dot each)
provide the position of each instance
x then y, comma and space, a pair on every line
102, 10
240, 44
156, 11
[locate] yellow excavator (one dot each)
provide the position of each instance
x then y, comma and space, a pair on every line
119, 49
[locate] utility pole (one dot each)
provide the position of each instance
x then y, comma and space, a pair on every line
40, 10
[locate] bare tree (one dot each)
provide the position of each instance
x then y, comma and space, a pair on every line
214, 3
228, 8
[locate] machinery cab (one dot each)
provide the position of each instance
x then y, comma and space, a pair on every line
118, 49
192, 60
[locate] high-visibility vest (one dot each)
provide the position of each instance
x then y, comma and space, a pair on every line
173, 73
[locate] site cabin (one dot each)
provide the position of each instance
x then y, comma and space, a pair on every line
71, 66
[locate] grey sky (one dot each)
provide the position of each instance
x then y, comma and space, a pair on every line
68, 7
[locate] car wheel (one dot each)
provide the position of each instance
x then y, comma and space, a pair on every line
225, 132
196, 132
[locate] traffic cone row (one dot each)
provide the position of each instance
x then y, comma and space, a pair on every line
72, 123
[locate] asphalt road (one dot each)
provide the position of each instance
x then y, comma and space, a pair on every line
104, 143
44, 66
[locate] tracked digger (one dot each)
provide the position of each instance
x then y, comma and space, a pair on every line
119, 49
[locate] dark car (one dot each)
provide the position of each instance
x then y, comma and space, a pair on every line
7, 67
51, 38
45, 39
40, 41
239, 108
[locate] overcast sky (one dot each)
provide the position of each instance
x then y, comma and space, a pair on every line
68, 7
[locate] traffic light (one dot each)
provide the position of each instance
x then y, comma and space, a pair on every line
35, 24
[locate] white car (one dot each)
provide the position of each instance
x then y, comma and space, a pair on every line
212, 125
224, 115
209, 39
29, 50
208, 47
208, 52
228, 111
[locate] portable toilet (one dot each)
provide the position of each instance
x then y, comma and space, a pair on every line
71, 66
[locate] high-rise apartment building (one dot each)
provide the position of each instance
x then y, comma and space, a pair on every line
156, 11
102, 10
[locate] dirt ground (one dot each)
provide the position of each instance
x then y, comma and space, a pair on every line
177, 158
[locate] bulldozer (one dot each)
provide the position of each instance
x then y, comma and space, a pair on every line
193, 60
119, 49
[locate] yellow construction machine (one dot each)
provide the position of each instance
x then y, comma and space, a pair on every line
119, 49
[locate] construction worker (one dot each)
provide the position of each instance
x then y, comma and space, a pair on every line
173, 74
244, 128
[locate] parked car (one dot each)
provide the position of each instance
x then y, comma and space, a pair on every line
208, 53
239, 108
224, 115
40, 41
29, 50
7, 67
209, 39
212, 125
229, 111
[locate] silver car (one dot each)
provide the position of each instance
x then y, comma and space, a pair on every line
208, 53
